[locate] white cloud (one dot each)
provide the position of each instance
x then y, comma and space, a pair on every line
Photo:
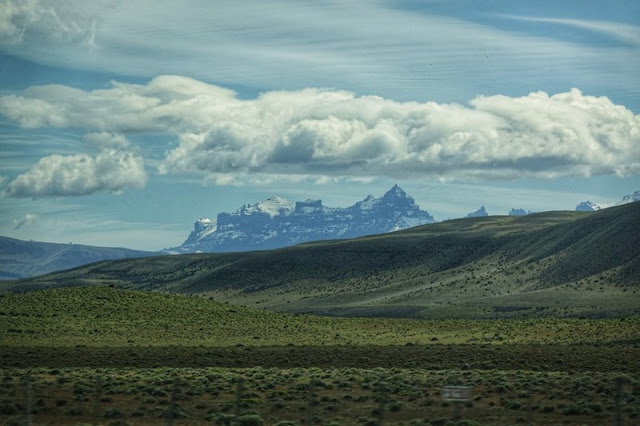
26, 220
332, 133
624, 33
81, 174
376, 47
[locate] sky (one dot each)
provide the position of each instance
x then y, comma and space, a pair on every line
122, 122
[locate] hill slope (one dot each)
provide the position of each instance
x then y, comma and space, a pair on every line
20, 259
546, 264
105, 316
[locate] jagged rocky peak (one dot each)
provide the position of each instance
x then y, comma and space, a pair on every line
481, 212
395, 192
587, 206
275, 222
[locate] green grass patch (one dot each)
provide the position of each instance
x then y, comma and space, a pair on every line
103, 316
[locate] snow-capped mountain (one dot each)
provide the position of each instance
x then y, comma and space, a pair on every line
587, 206
481, 212
275, 222
631, 198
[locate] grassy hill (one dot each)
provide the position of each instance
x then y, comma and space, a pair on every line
105, 316
20, 259
541, 265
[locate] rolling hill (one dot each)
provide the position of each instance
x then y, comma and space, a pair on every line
109, 317
539, 265
21, 259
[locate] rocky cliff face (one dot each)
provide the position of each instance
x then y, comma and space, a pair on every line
587, 206
276, 222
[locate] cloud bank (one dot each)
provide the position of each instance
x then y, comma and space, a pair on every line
116, 167
405, 50
325, 132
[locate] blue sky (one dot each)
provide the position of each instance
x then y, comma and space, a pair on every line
121, 123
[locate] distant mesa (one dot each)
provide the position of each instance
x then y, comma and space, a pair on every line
276, 222
519, 212
587, 206
481, 212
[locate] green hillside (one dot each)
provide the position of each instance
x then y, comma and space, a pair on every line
543, 265
105, 316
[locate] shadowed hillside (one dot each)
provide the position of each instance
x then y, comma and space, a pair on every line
20, 259
546, 264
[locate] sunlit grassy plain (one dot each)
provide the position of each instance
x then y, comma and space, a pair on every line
101, 355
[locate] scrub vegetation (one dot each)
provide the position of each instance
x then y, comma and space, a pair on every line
539, 315
102, 355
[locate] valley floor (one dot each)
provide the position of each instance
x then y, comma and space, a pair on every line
100, 355
338, 385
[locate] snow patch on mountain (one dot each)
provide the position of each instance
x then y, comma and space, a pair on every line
275, 222
587, 206
273, 206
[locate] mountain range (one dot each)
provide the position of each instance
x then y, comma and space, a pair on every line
276, 222
272, 223
554, 264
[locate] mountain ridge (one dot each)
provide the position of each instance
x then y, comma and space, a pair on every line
276, 222
21, 259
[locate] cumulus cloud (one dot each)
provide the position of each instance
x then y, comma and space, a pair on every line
116, 167
336, 133
26, 220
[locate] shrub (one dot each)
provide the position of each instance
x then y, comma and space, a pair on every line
511, 404
7, 408
249, 420
113, 413
467, 422
138, 412
14, 421
572, 410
